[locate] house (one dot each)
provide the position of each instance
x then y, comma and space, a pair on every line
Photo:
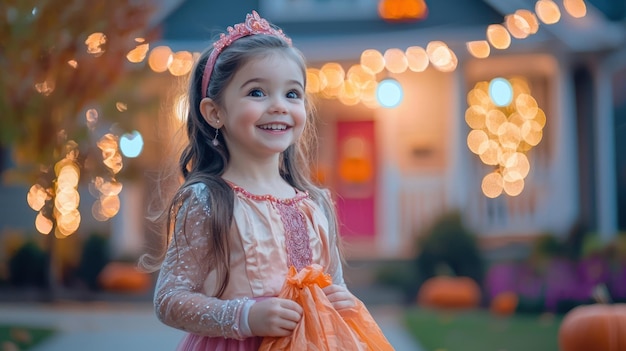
395, 169
419, 161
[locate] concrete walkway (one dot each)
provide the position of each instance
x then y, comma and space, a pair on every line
107, 326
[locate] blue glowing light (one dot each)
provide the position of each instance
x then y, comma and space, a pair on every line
500, 92
389, 93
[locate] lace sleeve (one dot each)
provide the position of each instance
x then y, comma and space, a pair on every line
178, 300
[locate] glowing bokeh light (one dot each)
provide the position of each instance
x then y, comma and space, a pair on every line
120, 106
475, 116
181, 64
547, 11
110, 205
138, 54
479, 48
514, 188
495, 118
526, 105
94, 43
489, 153
69, 222
109, 188
36, 197
477, 141
43, 224
360, 75
504, 129
160, 58
368, 94
350, 93
45, 88
498, 36
66, 201
373, 60
395, 60
517, 25
334, 74
315, 81
96, 212
68, 177
492, 185
509, 135
530, 18
576, 8
131, 144
480, 97
91, 117
332, 92
500, 92
441, 56
417, 58
111, 157
389, 93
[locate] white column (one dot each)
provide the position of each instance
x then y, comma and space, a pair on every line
606, 181
564, 172
458, 155
389, 239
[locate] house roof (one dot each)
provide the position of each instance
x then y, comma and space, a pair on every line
200, 20
197, 18
192, 24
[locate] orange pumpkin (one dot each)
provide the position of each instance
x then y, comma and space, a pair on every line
449, 293
124, 277
594, 327
504, 304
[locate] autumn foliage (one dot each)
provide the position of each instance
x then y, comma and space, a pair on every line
57, 56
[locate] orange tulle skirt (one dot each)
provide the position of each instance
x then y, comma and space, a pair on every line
321, 326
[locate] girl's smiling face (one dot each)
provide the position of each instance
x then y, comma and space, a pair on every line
263, 109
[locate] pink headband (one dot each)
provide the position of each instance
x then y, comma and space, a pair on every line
254, 24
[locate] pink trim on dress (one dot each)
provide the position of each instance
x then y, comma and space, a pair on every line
299, 195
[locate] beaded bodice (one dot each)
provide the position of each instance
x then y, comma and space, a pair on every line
296, 236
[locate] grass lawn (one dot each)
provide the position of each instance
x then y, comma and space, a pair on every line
23, 338
477, 330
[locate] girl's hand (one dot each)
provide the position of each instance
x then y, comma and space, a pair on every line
339, 297
274, 317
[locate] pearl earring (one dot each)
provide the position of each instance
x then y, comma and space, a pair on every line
216, 142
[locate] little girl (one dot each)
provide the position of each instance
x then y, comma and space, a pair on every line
247, 211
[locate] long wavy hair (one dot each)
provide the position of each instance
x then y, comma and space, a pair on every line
201, 161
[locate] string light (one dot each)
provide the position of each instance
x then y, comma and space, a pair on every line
506, 123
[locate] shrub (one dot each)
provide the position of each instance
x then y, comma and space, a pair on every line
94, 258
449, 243
28, 266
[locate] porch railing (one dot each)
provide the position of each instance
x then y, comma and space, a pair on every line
420, 200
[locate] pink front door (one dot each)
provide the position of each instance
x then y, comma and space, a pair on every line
355, 175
